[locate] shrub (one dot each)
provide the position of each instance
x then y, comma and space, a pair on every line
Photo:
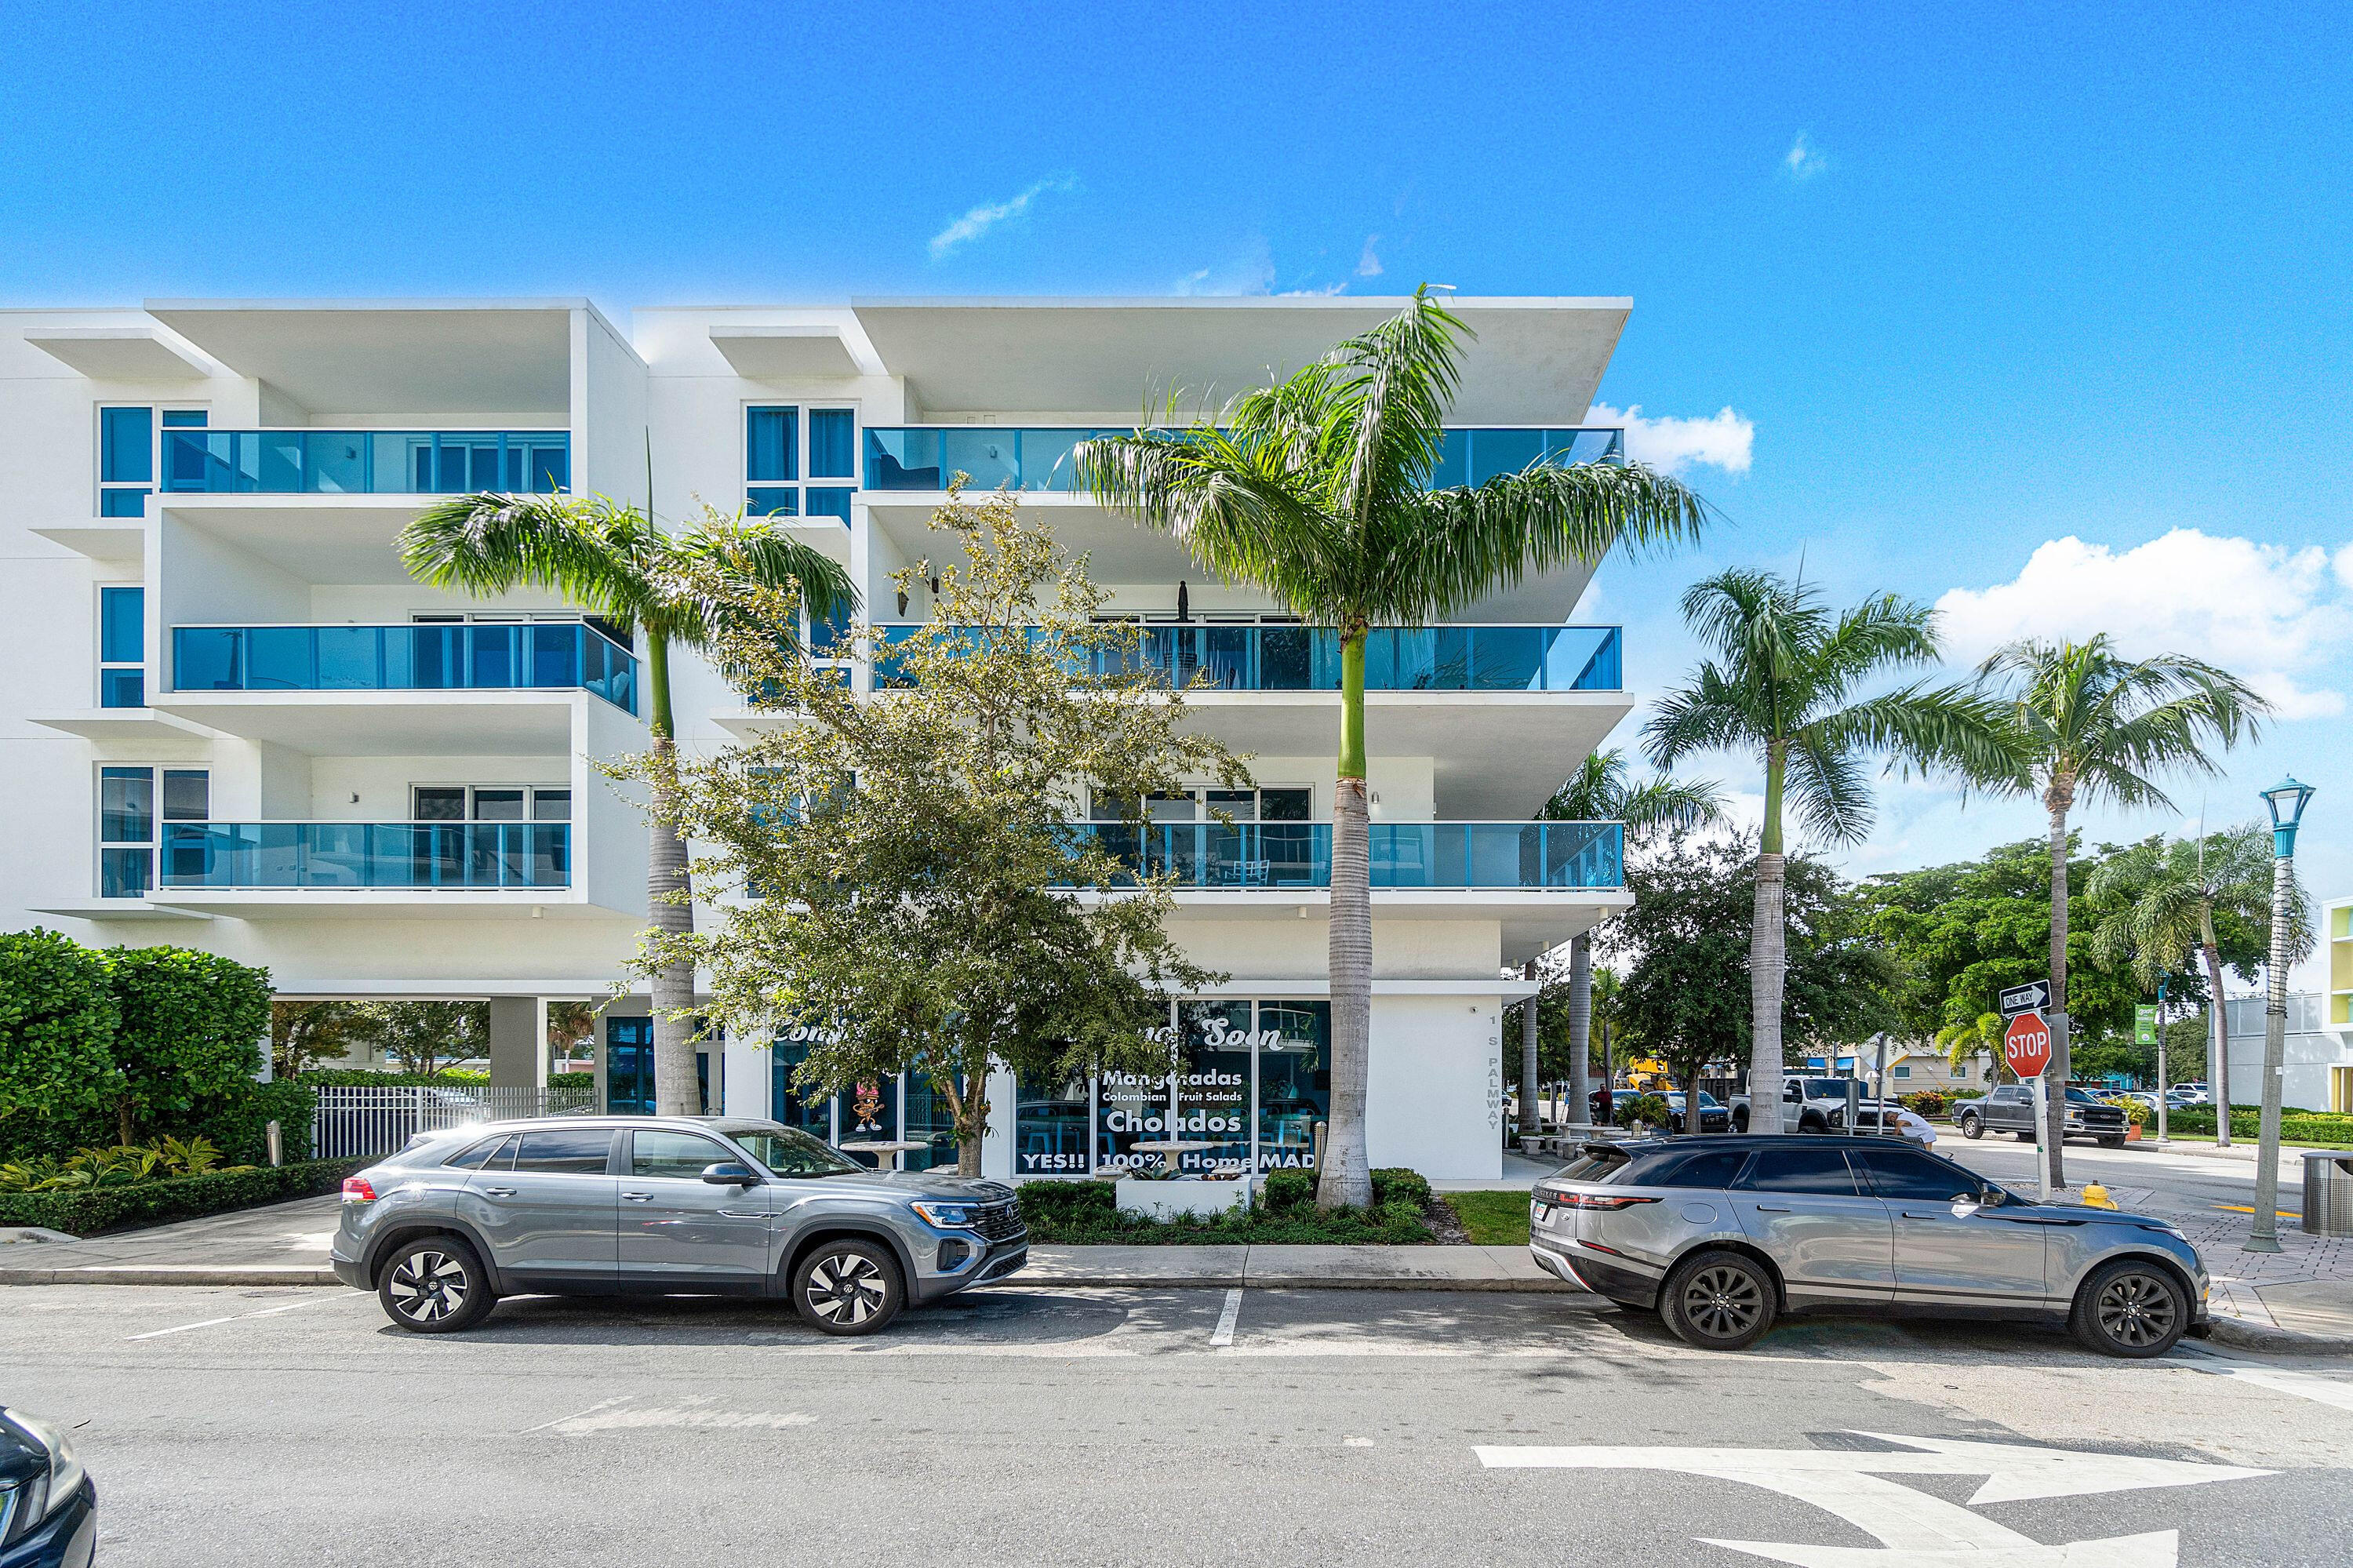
2246, 1122
1397, 1184
189, 1040
1651, 1110
93, 1210
58, 1019
1087, 1213
1288, 1192
1052, 1204
1930, 1103
571, 1080
239, 1124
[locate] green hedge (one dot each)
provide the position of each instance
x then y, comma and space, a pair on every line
97, 1211
1069, 1212
239, 1128
2296, 1124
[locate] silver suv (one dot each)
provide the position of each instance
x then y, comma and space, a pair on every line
663, 1205
1721, 1234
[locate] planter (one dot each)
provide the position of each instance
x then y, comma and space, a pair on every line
1167, 1200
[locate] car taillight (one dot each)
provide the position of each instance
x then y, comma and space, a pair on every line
1601, 1201
357, 1190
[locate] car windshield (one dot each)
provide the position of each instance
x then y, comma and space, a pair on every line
2083, 1097
788, 1153
1826, 1088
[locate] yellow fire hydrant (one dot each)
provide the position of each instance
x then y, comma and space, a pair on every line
2097, 1197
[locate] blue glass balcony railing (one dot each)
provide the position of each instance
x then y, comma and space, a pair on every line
1247, 658
365, 462
419, 855
537, 655
925, 457
1458, 855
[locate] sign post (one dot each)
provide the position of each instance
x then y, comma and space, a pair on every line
2026, 1047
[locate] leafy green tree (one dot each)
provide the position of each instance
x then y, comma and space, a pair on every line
1315, 492
920, 900
1784, 684
2088, 724
1684, 955
190, 1037
1602, 790
305, 1034
2191, 895
58, 1022
421, 1035
614, 559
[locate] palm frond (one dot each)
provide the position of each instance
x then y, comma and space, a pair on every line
487, 545
1827, 792
1928, 730
1457, 546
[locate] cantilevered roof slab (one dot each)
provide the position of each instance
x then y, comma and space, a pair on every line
808, 352
384, 361
1535, 361
117, 352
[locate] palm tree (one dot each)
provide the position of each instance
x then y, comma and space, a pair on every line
2172, 889
1314, 490
2092, 726
1602, 791
621, 563
1966, 1041
1783, 685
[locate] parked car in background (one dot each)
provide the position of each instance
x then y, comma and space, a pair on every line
2196, 1094
1808, 1105
1713, 1116
2010, 1107
1723, 1235
663, 1205
48, 1505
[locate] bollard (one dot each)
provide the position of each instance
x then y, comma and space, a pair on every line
277, 1141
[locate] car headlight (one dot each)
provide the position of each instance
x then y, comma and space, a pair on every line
947, 1216
43, 1495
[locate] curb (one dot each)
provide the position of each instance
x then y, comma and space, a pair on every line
103, 1274
100, 1273
2239, 1334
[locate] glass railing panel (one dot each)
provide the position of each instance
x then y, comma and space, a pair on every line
360, 462
358, 855
1039, 457
507, 656
985, 455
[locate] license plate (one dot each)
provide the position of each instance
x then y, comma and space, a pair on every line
1543, 1213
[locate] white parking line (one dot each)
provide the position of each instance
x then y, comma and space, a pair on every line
2304, 1386
232, 1318
1224, 1337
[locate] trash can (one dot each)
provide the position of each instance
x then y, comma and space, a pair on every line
2328, 1194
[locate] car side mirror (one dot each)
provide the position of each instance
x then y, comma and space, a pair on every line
727, 1174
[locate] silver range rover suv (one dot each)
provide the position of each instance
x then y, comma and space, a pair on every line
665, 1206
1723, 1235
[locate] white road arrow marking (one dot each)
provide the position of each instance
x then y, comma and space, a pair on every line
1929, 1532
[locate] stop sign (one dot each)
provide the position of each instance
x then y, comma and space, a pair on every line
2026, 1044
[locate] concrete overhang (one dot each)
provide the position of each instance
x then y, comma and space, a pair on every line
121, 724
1535, 361
389, 361
100, 541
118, 352
388, 724
381, 903
808, 351
342, 539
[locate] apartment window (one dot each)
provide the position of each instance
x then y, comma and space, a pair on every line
773, 465
126, 454
130, 803
490, 803
832, 443
829, 501
121, 648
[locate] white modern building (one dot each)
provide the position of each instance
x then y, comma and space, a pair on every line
235, 723
2316, 1057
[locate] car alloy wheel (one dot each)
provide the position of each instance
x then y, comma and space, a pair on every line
427, 1287
1718, 1300
2131, 1308
847, 1287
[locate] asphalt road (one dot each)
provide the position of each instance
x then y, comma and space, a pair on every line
1099, 1427
2192, 1181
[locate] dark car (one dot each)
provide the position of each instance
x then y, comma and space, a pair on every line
2010, 1107
49, 1506
1713, 1115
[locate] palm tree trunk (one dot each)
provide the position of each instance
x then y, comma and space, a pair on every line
1347, 1176
2057, 798
1529, 1125
1580, 1026
2218, 1044
1768, 953
676, 1092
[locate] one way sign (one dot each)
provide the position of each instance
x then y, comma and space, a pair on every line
2034, 996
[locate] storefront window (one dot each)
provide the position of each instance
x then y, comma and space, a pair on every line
1049, 1127
1295, 1081
1213, 1086
931, 1121
811, 1113
868, 1113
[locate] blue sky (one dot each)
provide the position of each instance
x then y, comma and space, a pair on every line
1974, 281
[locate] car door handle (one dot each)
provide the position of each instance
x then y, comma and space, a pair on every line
499, 1191
637, 1197
1771, 1208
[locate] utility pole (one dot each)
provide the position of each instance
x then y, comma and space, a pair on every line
2162, 1088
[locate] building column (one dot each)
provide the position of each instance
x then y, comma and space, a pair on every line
518, 1041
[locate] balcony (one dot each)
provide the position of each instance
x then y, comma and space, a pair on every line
512, 656
1037, 456
202, 462
1246, 658
1457, 856
364, 856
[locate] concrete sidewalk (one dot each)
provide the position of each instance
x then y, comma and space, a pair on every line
285, 1244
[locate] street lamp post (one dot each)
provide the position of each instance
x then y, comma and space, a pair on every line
2286, 800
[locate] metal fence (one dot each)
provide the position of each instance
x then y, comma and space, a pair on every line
355, 1122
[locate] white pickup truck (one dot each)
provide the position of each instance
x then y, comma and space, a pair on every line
1813, 1105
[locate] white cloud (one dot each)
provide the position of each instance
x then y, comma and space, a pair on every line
1368, 265
1671, 445
2268, 614
1803, 161
973, 225
1251, 272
